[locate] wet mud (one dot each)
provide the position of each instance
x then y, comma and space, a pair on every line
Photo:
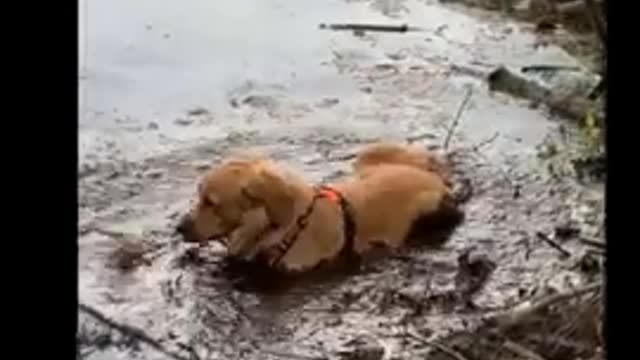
172, 89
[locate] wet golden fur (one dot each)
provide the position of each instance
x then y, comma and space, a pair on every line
253, 201
386, 152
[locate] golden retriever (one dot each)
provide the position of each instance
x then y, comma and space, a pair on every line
275, 215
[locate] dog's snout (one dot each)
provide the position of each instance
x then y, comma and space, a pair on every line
185, 225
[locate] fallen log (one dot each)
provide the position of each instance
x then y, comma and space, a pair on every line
561, 96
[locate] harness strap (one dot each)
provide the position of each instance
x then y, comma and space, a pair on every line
348, 224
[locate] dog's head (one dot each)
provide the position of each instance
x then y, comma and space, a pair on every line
229, 191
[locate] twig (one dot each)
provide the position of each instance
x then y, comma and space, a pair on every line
445, 349
131, 331
525, 69
594, 243
456, 120
555, 245
521, 350
515, 316
475, 148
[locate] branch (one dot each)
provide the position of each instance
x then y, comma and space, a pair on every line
515, 316
555, 245
445, 349
521, 350
131, 331
594, 243
456, 120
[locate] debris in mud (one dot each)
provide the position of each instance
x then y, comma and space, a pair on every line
259, 101
98, 331
566, 231
190, 257
564, 92
183, 121
199, 111
557, 327
563, 252
474, 270
129, 254
361, 28
590, 263
328, 102
362, 348
591, 168
154, 173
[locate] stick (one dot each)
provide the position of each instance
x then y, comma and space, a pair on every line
515, 316
475, 148
445, 349
594, 243
555, 245
451, 129
412, 139
131, 331
548, 67
287, 355
522, 351
370, 27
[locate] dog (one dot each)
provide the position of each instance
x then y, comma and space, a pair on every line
276, 216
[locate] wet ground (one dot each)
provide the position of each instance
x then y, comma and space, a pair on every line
168, 89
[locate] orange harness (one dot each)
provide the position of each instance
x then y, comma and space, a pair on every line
349, 226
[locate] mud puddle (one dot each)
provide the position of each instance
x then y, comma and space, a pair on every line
170, 89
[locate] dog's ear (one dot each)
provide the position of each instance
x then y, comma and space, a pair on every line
269, 189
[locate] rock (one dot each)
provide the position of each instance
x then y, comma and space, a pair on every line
259, 101
183, 121
199, 111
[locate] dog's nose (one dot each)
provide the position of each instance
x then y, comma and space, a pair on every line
184, 225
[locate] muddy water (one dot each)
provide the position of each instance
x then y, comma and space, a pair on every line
168, 87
